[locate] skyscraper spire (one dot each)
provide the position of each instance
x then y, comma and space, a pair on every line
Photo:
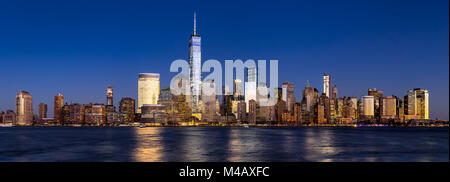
195, 24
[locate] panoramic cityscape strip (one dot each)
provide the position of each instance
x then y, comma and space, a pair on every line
197, 105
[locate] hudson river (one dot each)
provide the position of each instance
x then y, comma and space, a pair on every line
223, 144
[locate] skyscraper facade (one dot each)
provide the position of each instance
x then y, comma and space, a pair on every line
288, 96
377, 99
226, 107
9, 118
99, 114
24, 108
109, 96
238, 92
250, 86
368, 106
252, 112
334, 92
57, 107
209, 103
148, 89
327, 85
127, 110
77, 113
42, 111
389, 108
417, 103
241, 112
195, 63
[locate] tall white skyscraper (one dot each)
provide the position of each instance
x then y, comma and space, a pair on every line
148, 89
250, 86
327, 85
195, 70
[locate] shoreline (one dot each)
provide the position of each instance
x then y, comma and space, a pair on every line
256, 126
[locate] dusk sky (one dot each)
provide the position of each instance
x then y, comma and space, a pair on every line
78, 48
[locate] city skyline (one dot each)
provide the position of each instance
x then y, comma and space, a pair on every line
395, 82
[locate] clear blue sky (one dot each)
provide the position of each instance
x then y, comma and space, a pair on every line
80, 47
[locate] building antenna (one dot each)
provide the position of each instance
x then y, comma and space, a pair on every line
195, 24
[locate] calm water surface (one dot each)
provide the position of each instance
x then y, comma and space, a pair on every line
223, 144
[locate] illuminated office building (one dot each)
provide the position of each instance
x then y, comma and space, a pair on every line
252, 112
288, 96
278, 94
42, 111
226, 107
241, 112
298, 112
98, 114
334, 92
327, 85
323, 109
9, 118
377, 98
280, 109
270, 113
154, 113
24, 108
109, 96
57, 107
417, 103
66, 114
389, 108
238, 92
148, 89
127, 110
310, 98
195, 69
262, 95
77, 113
309, 101
319, 111
209, 99
353, 104
339, 107
368, 106
251, 86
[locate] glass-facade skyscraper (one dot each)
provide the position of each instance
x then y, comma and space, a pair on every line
148, 89
195, 70
24, 108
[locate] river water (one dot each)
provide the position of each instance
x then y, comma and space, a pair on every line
223, 144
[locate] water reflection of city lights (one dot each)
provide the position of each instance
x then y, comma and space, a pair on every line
148, 145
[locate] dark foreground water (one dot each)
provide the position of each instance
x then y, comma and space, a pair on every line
224, 144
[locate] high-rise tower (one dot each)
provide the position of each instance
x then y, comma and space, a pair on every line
57, 107
327, 85
334, 92
195, 71
148, 89
109, 96
42, 111
288, 96
417, 103
24, 108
